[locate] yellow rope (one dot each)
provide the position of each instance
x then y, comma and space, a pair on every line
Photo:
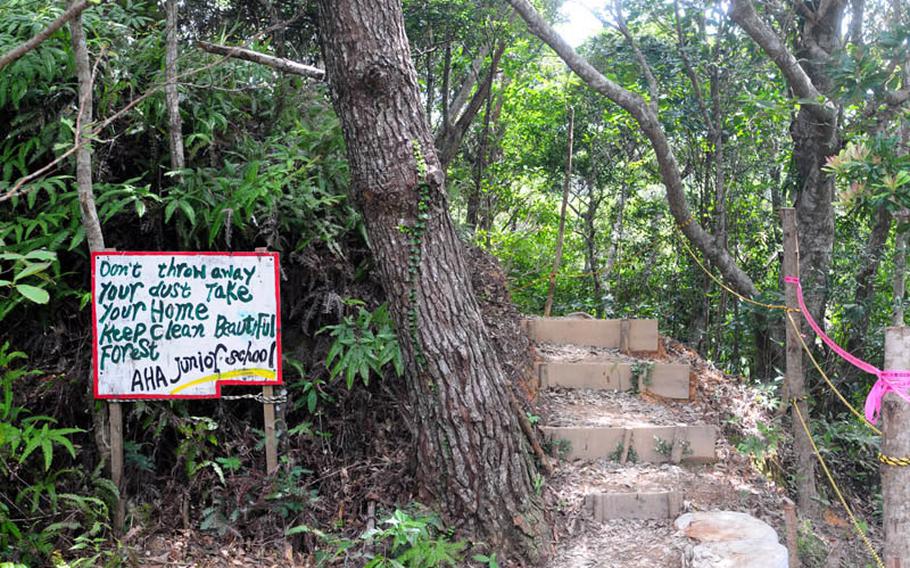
720, 283
836, 489
892, 461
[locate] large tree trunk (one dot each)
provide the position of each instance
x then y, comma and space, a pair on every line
471, 456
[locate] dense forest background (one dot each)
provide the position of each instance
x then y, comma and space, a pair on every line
264, 165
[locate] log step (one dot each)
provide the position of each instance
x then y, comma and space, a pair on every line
644, 444
627, 335
668, 380
609, 506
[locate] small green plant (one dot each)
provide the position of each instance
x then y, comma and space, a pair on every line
538, 484
413, 541
559, 447
641, 375
665, 448
616, 454
488, 561
363, 344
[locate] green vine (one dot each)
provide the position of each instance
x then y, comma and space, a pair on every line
415, 236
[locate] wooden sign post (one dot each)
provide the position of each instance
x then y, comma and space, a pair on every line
268, 416
169, 325
115, 417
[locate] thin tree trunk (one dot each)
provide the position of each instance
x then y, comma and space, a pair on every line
93, 234
467, 87
865, 285
92, 226
449, 140
590, 236
479, 165
431, 84
446, 84
472, 458
566, 184
171, 96
616, 235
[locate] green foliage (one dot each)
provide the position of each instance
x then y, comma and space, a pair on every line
26, 278
418, 541
363, 343
409, 538
37, 511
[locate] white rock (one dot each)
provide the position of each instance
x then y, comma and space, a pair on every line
740, 554
731, 540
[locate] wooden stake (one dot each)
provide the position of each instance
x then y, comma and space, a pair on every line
115, 413
792, 526
896, 443
115, 417
271, 441
268, 415
794, 378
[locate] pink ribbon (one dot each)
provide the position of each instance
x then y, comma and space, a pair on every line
897, 382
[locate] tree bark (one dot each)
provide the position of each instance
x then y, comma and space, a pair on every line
472, 458
560, 235
90, 222
171, 96
896, 443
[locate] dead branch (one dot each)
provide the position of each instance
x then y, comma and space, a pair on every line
281, 64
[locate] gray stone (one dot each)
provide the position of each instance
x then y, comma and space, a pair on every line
729, 539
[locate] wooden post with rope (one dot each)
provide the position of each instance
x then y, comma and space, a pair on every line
794, 377
896, 442
268, 415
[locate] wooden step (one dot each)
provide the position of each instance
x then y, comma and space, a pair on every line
608, 506
627, 335
667, 380
647, 444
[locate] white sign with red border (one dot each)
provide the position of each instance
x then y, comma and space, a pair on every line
182, 324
